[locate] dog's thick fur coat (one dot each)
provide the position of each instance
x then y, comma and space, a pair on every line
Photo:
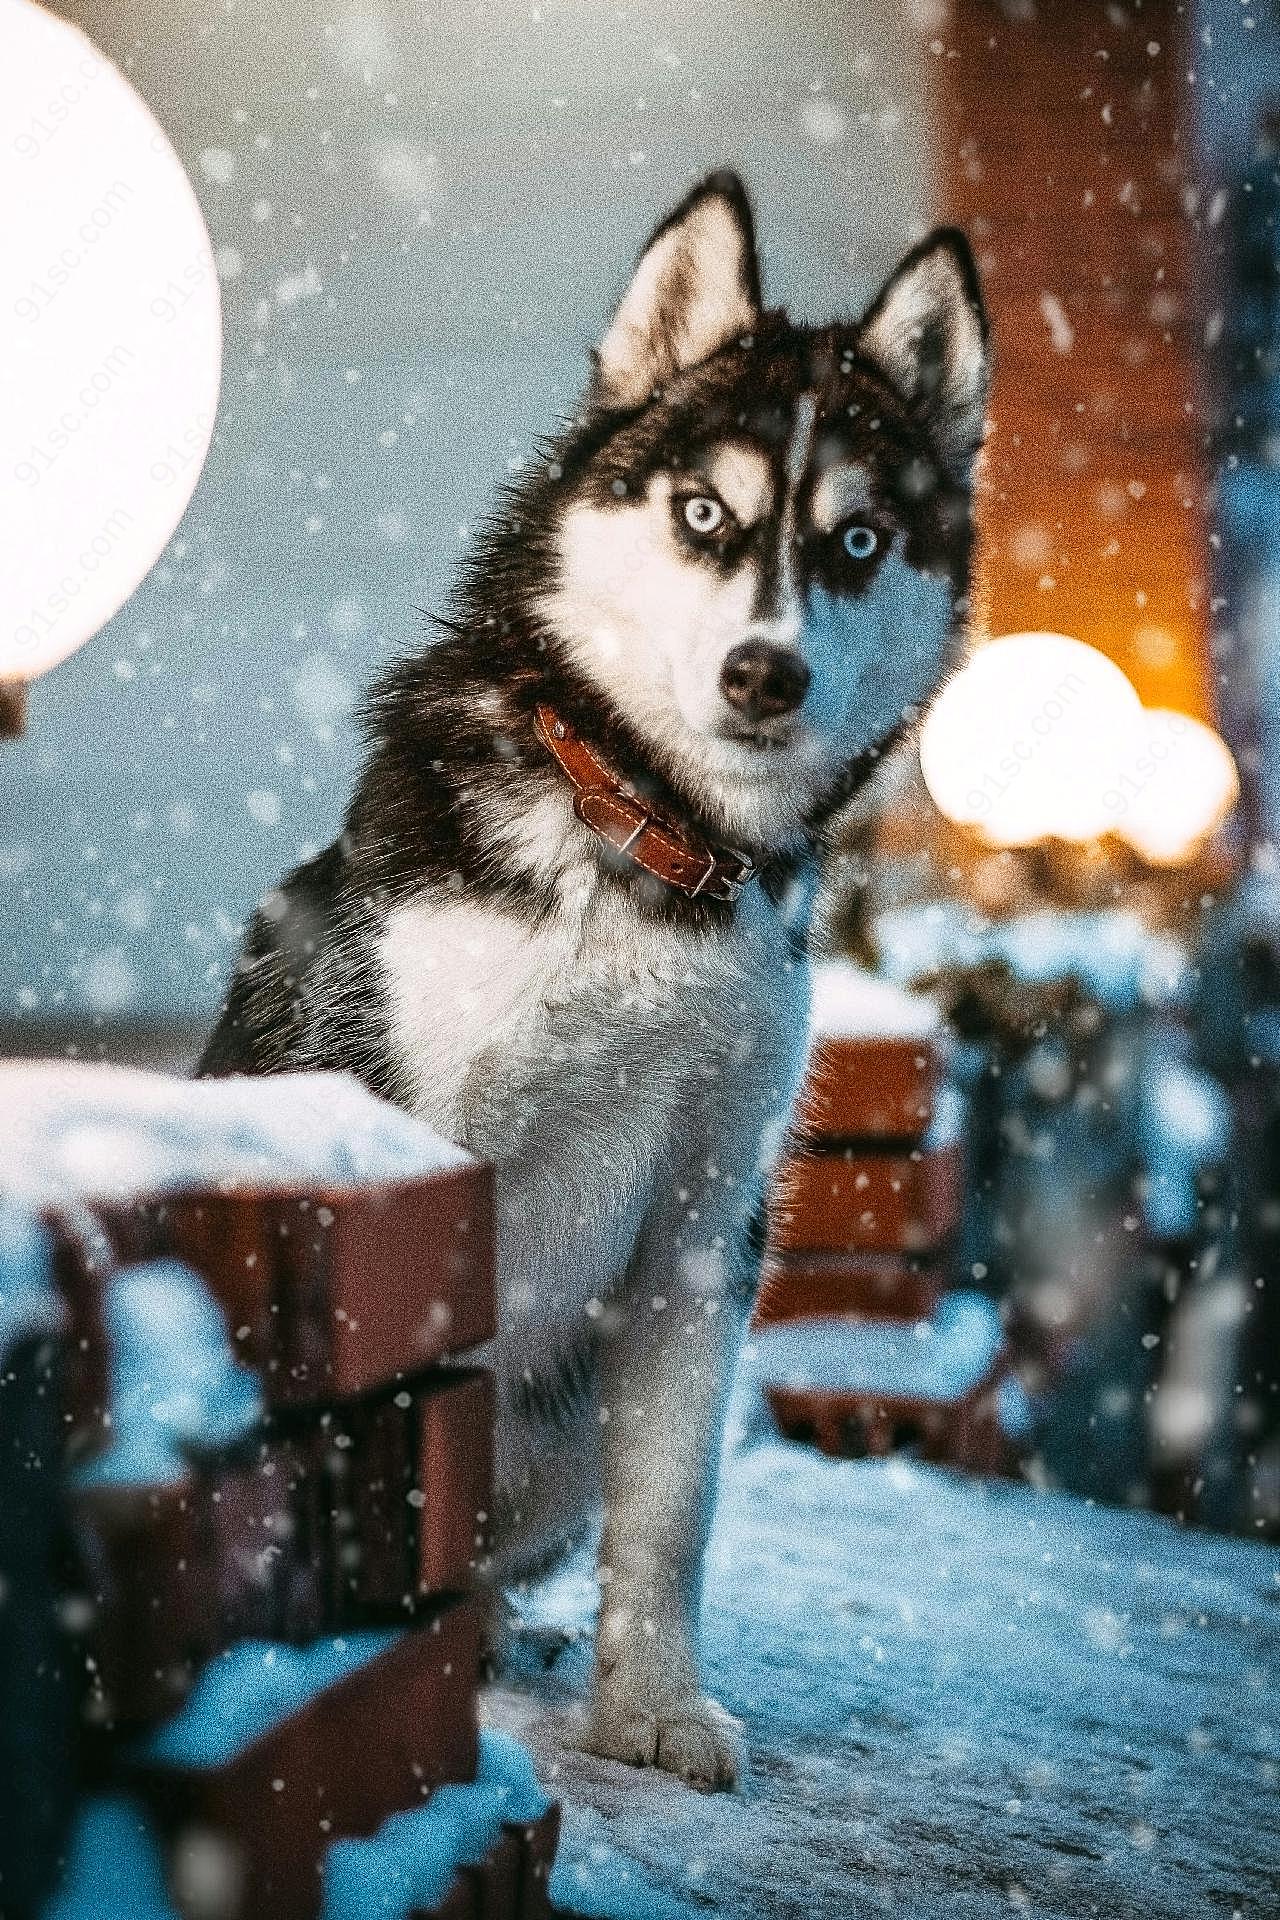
739, 573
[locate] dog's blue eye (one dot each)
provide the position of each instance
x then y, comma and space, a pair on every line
703, 514
860, 542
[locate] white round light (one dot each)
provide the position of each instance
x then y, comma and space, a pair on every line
111, 337
1027, 739
1178, 786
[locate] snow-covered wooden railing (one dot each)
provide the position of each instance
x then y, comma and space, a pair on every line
863, 1340
243, 1507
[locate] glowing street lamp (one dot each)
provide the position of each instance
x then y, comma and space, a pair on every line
1041, 737
1181, 786
1025, 742
111, 337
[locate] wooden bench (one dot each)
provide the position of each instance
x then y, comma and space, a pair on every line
861, 1346
257, 1481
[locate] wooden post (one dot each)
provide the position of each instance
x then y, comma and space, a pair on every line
1066, 154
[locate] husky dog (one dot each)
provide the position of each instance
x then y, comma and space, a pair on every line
566, 919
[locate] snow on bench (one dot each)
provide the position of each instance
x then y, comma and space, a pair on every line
91, 1132
938, 1359
116, 1865
346, 1241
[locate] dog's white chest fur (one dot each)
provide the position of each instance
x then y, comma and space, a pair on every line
577, 1055
601, 1061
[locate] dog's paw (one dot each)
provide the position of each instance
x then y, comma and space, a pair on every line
694, 1738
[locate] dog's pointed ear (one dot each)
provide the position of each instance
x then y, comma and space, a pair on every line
927, 330
697, 286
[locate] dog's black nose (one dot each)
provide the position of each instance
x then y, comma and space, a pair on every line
762, 681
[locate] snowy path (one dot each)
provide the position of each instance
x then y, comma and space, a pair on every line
961, 1701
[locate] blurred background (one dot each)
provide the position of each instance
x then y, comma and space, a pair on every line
418, 221
420, 218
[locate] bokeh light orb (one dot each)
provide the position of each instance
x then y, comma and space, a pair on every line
1027, 740
1040, 736
1176, 790
111, 334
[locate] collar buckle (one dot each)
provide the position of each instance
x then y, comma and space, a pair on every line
727, 886
599, 797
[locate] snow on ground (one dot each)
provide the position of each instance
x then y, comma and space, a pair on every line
96, 1132
961, 1701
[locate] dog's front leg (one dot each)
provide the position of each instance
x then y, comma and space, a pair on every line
667, 1361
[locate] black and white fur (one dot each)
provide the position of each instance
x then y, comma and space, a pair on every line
626, 1056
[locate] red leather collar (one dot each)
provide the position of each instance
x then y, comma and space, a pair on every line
662, 846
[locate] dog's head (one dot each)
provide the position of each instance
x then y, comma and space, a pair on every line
760, 542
